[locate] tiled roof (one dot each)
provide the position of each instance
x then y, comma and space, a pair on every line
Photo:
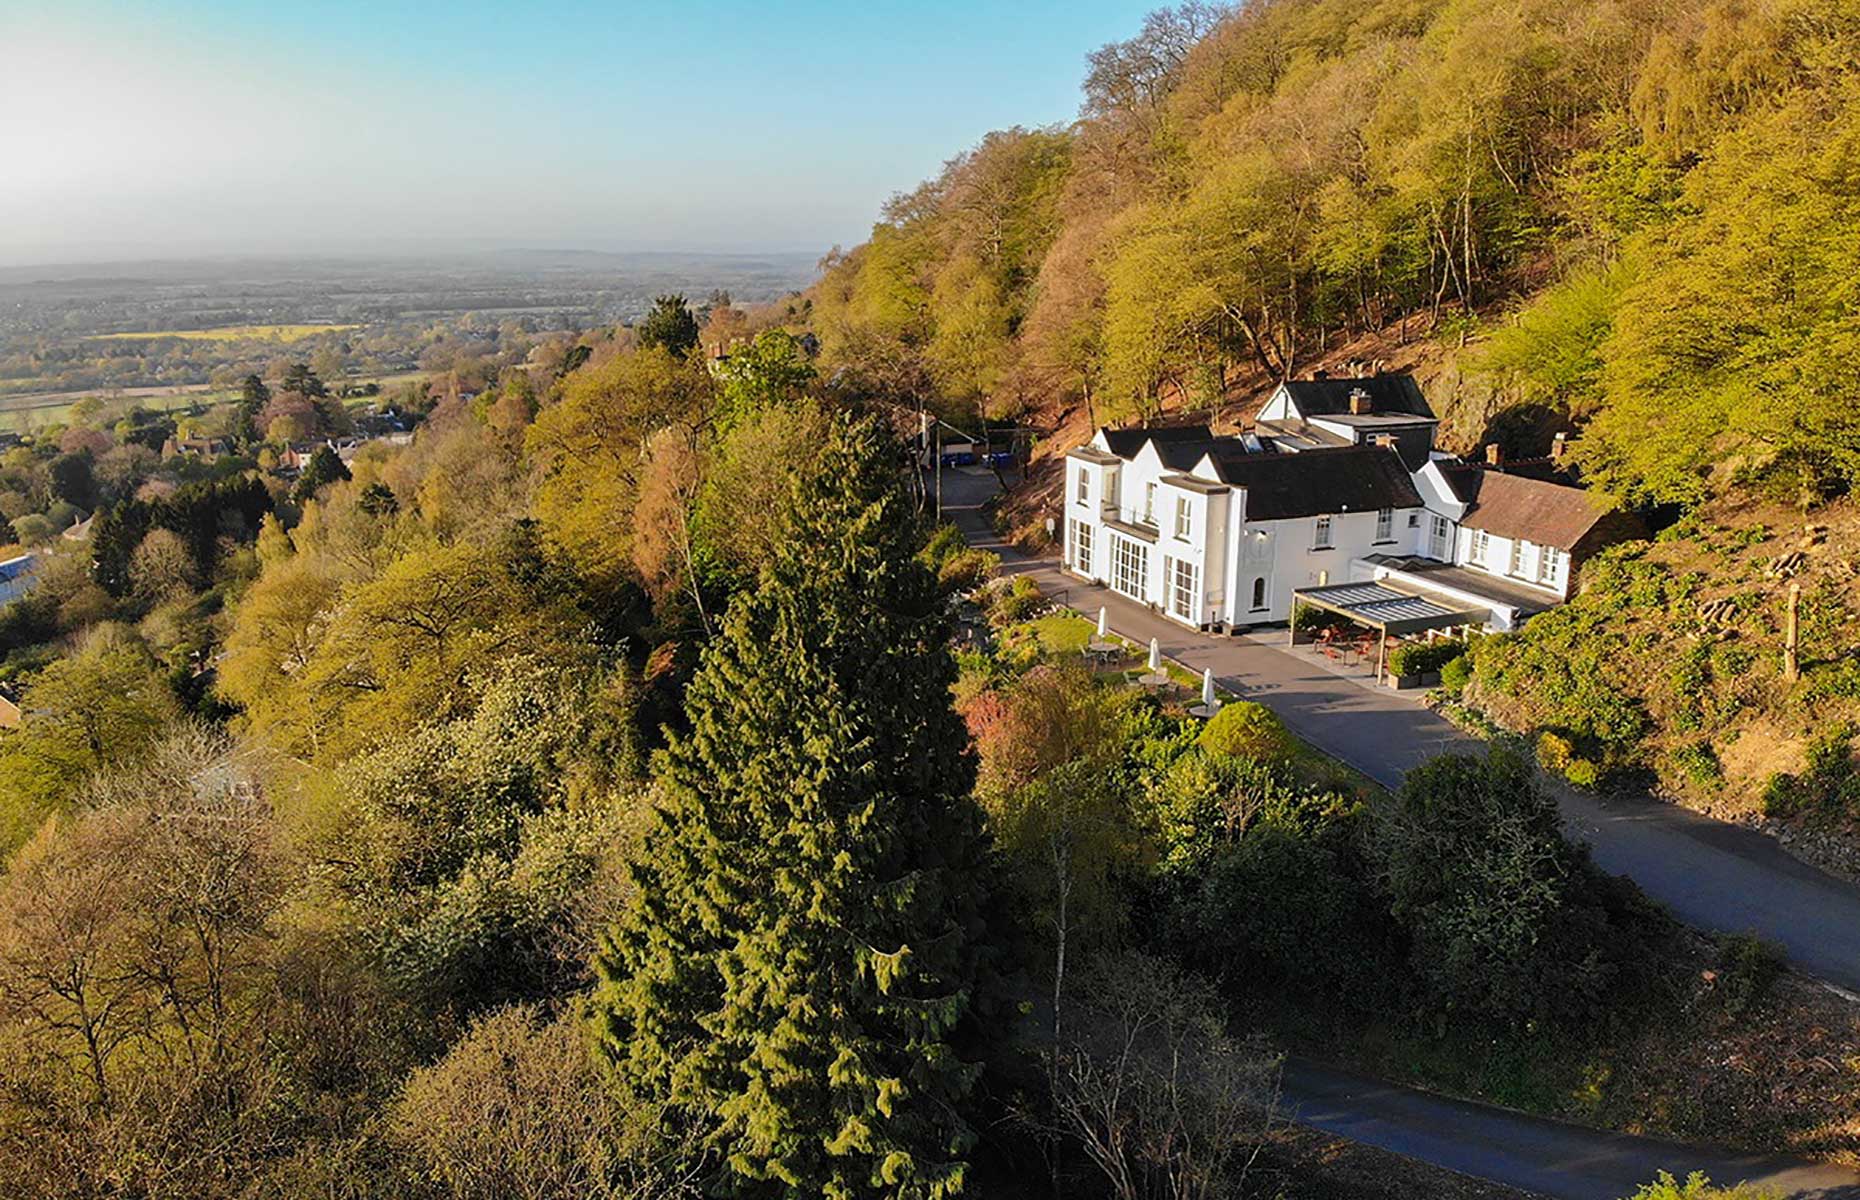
1314, 482
1125, 443
1516, 506
1387, 394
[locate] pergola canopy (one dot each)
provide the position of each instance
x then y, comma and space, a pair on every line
1387, 609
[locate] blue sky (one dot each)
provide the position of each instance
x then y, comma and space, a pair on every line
147, 129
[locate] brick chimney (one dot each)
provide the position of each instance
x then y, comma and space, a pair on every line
1360, 402
1494, 454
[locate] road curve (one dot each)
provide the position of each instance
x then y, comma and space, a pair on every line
1566, 1162
1711, 875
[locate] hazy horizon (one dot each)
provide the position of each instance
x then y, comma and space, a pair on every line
192, 129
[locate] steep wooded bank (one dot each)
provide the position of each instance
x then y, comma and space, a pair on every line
1625, 216
1632, 221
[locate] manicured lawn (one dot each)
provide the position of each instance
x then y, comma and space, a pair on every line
1056, 634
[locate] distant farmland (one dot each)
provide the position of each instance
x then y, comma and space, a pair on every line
282, 334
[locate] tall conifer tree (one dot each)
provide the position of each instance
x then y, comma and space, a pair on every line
799, 976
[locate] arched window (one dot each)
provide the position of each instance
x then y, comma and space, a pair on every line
1259, 593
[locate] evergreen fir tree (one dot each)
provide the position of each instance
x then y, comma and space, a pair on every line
799, 975
253, 397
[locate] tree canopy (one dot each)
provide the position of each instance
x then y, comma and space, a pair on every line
1646, 206
801, 973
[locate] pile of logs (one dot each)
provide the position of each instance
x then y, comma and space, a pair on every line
1786, 566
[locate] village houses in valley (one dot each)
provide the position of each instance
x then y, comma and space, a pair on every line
1336, 497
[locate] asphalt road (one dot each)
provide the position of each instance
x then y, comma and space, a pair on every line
1710, 874
1567, 1162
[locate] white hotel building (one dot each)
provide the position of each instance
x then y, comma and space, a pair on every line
1337, 483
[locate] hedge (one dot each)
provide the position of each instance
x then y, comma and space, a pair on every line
1424, 658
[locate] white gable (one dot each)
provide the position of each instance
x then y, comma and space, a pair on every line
1279, 406
1436, 494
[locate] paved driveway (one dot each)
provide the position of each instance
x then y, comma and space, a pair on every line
1713, 875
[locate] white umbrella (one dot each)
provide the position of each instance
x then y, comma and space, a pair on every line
1104, 622
1207, 688
1155, 656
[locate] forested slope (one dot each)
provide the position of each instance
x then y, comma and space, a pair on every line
1634, 221
1634, 217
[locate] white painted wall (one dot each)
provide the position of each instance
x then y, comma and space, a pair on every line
1278, 406
1496, 558
1296, 563
1120, 492
1531, 564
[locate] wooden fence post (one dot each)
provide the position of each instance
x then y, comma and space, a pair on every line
1792, 635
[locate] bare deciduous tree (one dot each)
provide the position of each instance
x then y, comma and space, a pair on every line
1162, 1100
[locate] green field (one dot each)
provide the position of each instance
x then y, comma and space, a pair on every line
23, 417
232, 333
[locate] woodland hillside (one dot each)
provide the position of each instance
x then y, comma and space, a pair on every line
1630, 216
1631, 221
623, 787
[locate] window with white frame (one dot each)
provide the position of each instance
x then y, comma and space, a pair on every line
1259, 594
1184, 589
1130, 568
1520, 558
1081, 547
1481, 543
1320, 539
1184, 517
1414, 520
1385, 524
1084, 487
1549, 560
1149, 503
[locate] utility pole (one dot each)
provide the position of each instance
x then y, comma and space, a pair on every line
1792, 635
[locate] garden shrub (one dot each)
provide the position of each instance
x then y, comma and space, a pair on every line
1554, 752
1455, 674
1422, 658
1698, 1187
1747, 967
1247, 730
945, 542
1782, 795
1688, 678
1838, 680
1511, 925
1287, 913
1566, 670
1583, 773
1698, 763
1828, 782
1016, 602
967, 570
